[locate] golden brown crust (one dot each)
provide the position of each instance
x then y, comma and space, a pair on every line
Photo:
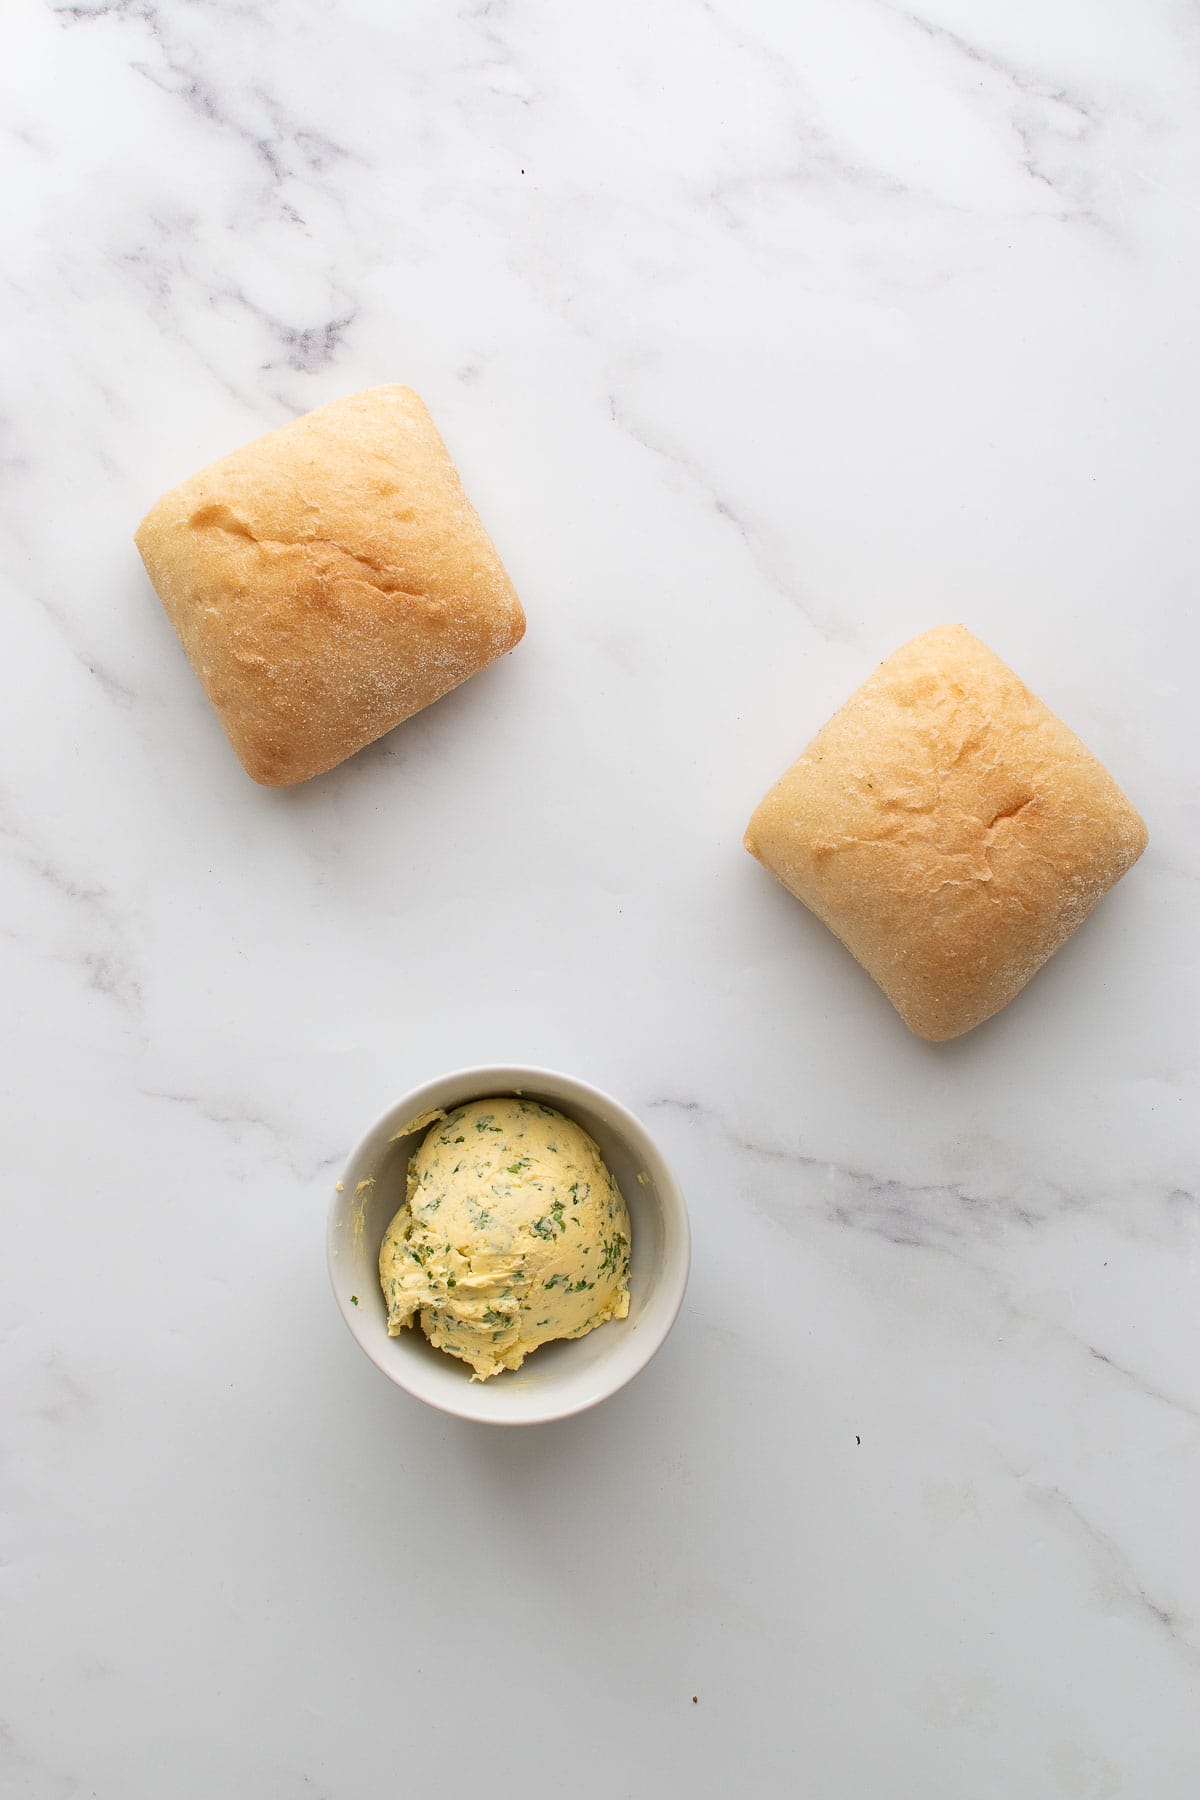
329, 580
949, 829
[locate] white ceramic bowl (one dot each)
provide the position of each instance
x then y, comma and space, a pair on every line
558, 1379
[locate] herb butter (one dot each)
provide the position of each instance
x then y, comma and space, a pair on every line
513, 1233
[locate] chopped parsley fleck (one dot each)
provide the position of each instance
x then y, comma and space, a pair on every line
614, 1249
354, 1299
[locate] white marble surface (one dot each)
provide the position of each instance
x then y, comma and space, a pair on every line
765, 337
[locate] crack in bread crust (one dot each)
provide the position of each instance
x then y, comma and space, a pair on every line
217, 517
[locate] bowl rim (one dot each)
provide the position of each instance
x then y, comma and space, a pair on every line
495, 1079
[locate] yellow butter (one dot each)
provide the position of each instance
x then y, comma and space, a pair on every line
513, 1233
